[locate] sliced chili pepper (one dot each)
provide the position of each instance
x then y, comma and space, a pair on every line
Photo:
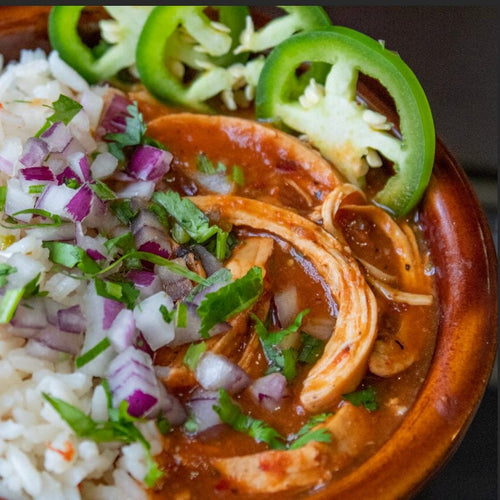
117, 51
164, 51
341, 127
176, 36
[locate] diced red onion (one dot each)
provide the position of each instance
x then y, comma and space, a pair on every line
176, 286
35, 151
80, 165
54, 200
146, 218
43, 174
215, 371
269, 390
169, 407
201, 408
57, 137
103, 166
131, 377
149, 163
51, 309
208, 261
17, 200
94, 246
287, 305
64, 232
149, 320
320, 327
38, 350
71, 319
6, 166
215, 183
66, 175
111, 310
79, 206
114, 115
30, 314
147, 282
150, 239
141, 189
122, 332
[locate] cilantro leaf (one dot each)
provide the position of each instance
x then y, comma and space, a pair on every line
120, 427
123, 211
229, 300
312, 348
102, 190
231, 414
71, 256
92, 353
222, 275
365, 397
238, 175
5, 270
125, 242
205, 166
3, 197
281, 360
307, 433
135, 129
124, 291
65, 109
56, 219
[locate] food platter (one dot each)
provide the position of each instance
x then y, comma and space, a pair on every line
464, 259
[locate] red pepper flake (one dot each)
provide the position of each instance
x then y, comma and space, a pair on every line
68, 453
223, 485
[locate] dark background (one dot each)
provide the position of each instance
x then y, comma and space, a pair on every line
454, 53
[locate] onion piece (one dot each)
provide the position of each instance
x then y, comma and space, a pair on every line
71, 319
122, 332
79, 205
111, 310
269, 390
149, 163
215, 371
43, 174
17, 200
114, 116
209, 262
35, 151
149, 320
152, 240
147, 282
57, 137
54, 200
169, 407
201, 409
140, 189
30, 314
131, 377
287, 305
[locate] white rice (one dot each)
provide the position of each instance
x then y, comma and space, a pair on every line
33, 436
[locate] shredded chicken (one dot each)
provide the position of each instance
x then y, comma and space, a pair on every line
344, 360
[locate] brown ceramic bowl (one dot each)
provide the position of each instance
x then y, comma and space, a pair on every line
466, 272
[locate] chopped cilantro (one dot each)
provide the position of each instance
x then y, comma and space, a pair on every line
205, 166
125, 242
124, 292
133, 135
181, 315
307, 433
312, 348
5, 270
229, 300
281, 360
102, 191
65, 109
55, 219
92, 353
123, 211
222, 275
120, 427
71, 256
3, 196
238, 175
193, 355
36, 188
365, 397
9, 303
167, 315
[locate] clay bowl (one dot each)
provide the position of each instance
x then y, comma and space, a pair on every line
466, 272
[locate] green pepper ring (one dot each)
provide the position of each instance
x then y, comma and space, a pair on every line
152, 45
404, 189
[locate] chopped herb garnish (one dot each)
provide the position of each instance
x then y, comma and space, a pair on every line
230, 413
36, 188
102, 191
307, 433
281, 360
92, 353
181, 315
5, 270
312, 348
32, 288
205, 166
3, 197
238, 175
72, 183
9, 303
163, 425
71, 256
120, 427
123, 211
133, 135
124, 291
167, 315
125, 242
229, 300
65, 109
365, 397
56, 219
190, 425
222, 275
193, 355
